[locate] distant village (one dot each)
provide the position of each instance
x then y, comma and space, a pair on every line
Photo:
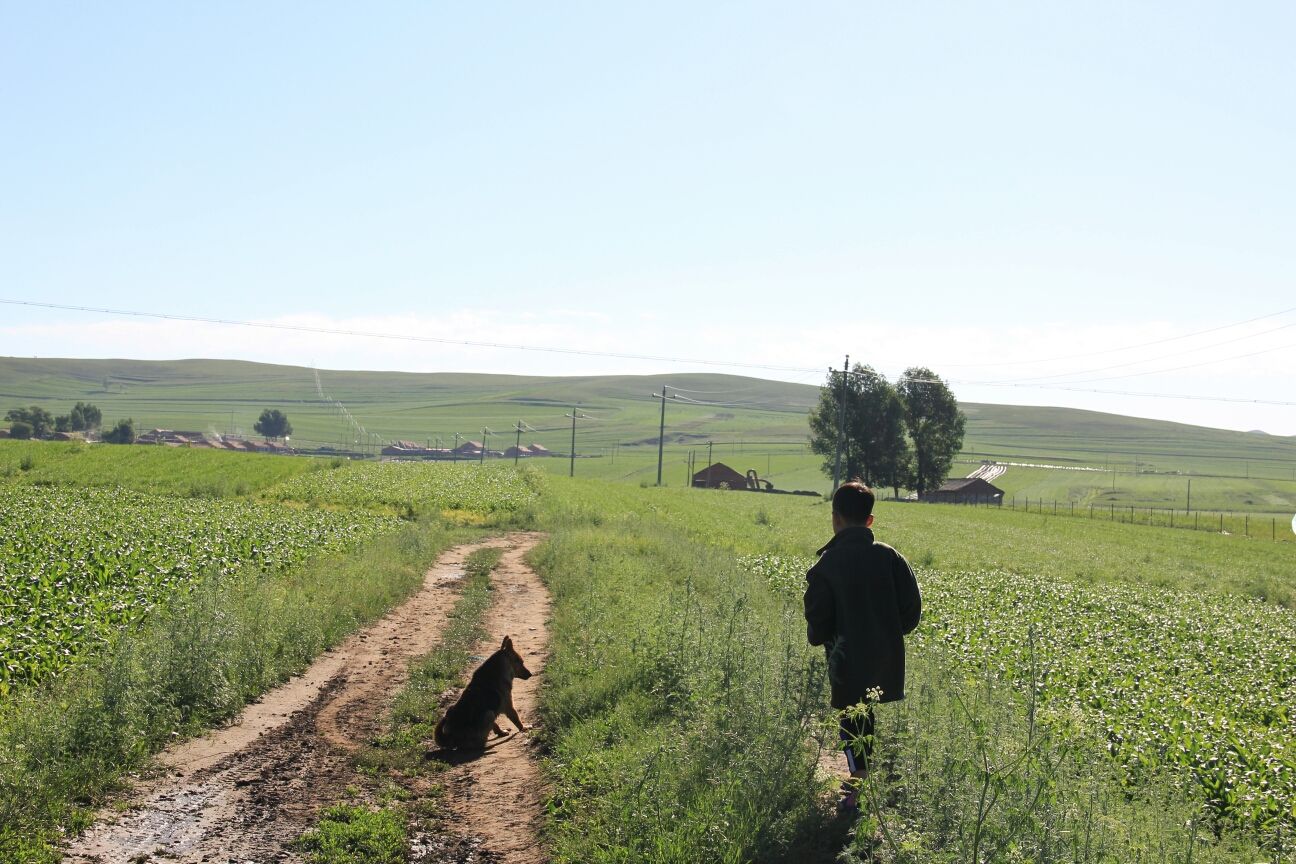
967, 490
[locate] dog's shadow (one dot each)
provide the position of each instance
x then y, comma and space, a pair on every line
459, 757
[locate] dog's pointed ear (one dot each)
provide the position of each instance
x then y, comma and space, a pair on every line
507, 644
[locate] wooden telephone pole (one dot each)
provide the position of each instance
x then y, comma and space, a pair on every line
841, 426
574, 415
661, 432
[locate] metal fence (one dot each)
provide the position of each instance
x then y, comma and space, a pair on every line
1262, 526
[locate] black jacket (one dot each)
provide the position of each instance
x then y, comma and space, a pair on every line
861, 599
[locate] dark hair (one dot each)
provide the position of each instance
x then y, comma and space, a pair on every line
853, 502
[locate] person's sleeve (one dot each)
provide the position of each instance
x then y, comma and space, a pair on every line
821, 618
908, 600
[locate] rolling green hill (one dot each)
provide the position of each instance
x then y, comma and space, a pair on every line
754, 423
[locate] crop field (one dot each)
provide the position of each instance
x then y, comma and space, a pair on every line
160, 470
425, 487
1204, 684
77, 565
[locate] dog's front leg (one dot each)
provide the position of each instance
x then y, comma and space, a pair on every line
513, 715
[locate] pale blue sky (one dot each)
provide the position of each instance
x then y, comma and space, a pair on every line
768, 183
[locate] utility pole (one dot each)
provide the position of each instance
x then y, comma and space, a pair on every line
841, 426
485, 437
661, 432
454, 454
517, 445
575, 415
1189, 505
708, 480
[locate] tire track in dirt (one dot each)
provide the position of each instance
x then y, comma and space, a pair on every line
495, 800
243, 793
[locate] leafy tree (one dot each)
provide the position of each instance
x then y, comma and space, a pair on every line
40, 420
875, 448
63, 423
20, 429
122, 433
85, 416
935, 426
273, 424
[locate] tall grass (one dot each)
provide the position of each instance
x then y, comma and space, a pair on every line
679, 704
65, 747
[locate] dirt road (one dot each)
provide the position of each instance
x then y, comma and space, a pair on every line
496, 800
245, 792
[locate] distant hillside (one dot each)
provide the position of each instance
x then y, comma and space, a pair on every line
751, 415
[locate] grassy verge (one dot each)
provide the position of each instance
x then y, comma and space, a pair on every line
679, 702
405, 795
66, 746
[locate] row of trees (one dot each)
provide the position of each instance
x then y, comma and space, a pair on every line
36, 422
902, 435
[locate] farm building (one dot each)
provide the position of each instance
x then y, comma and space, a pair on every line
171, 437
965, 490
719, 475
526, 451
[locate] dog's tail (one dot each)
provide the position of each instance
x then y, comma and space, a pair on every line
440, 736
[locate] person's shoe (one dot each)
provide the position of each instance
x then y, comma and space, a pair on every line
849, 802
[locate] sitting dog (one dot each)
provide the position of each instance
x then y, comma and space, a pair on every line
469, 721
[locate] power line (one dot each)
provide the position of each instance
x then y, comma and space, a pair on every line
1147, 395
332, 331
1185, 366
1163, 357
301, 328
1126, 347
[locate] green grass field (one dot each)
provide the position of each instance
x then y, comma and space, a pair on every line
761, 425
1094, 674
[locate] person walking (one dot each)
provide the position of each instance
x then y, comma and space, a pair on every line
861, 600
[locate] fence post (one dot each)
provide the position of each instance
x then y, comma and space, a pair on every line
1246, 525
1171, 517
1273, 529
1221, 523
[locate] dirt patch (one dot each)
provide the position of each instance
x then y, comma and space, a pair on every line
496, 800
243, 793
